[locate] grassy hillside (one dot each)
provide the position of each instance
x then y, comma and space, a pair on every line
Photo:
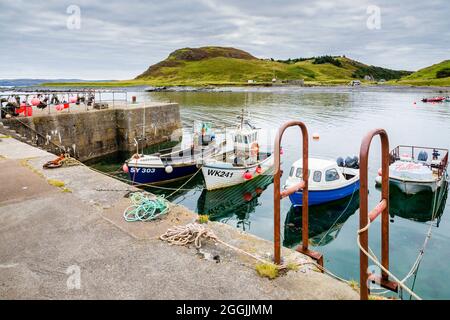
230, 66
216, 65
435, 75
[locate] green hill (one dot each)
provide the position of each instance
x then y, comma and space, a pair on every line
230, 66
437, 74
220, 66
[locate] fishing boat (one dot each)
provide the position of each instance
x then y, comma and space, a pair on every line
245, 162
167, 167
434, 99
328, 180
413, 169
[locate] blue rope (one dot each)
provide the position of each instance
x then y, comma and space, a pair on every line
144, 208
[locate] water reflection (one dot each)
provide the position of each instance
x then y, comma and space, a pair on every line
422, 207
238, 201
325, 221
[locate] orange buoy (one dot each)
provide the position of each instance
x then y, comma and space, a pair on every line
125, 168
380, 172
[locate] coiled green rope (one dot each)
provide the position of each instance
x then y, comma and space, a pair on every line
144, 208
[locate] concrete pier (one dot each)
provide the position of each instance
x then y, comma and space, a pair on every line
95, 133
70, 241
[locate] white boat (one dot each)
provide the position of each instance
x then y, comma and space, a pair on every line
328, 180
415, 169
240, 165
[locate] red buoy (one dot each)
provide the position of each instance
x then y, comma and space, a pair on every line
248, 196
258, 169
258, 190
247, 175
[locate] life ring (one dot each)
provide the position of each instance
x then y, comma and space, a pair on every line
254, 149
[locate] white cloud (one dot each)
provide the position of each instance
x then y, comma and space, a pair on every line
120, 39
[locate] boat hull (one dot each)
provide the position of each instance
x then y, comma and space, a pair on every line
411, 187
221, 175
155, 175
316, 197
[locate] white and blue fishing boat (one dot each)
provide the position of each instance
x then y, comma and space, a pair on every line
162, 168
328, 180
245, 162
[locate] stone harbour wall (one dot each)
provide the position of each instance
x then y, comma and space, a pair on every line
95, 133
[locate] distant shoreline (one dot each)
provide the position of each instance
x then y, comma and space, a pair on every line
238, 88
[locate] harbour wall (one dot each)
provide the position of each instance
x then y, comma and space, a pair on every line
95, 133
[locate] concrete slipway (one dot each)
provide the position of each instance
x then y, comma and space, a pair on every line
46, 230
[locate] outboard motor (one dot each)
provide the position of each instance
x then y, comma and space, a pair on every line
340, 162
352, 163
423, 156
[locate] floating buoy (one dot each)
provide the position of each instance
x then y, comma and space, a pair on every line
380, 172
258, 190
169, 169
316, 136
258, 169
73, 99
35, 102
247, 175
248, 196
125, 168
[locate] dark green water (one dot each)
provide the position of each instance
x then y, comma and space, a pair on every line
341, 117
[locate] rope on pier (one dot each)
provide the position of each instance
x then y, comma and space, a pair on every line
190, 233
144, 208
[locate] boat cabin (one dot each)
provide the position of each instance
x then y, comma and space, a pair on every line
322, 173
246, 145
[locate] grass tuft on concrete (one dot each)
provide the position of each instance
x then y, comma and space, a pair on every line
202, 218
56, 183
267, 270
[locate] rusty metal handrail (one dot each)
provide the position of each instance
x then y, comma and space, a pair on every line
279, 194
381, 208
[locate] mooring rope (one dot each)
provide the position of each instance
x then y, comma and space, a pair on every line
375, 260
339, 217
144, 208
416, 264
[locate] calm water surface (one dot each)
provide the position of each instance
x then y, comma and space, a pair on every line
341, 117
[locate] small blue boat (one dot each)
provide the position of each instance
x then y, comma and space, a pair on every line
327, 182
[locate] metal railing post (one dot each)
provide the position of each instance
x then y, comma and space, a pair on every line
302, 185
382, 208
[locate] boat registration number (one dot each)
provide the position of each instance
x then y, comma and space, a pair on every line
142, 170
220, 173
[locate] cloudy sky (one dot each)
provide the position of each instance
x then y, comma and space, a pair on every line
120, 39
